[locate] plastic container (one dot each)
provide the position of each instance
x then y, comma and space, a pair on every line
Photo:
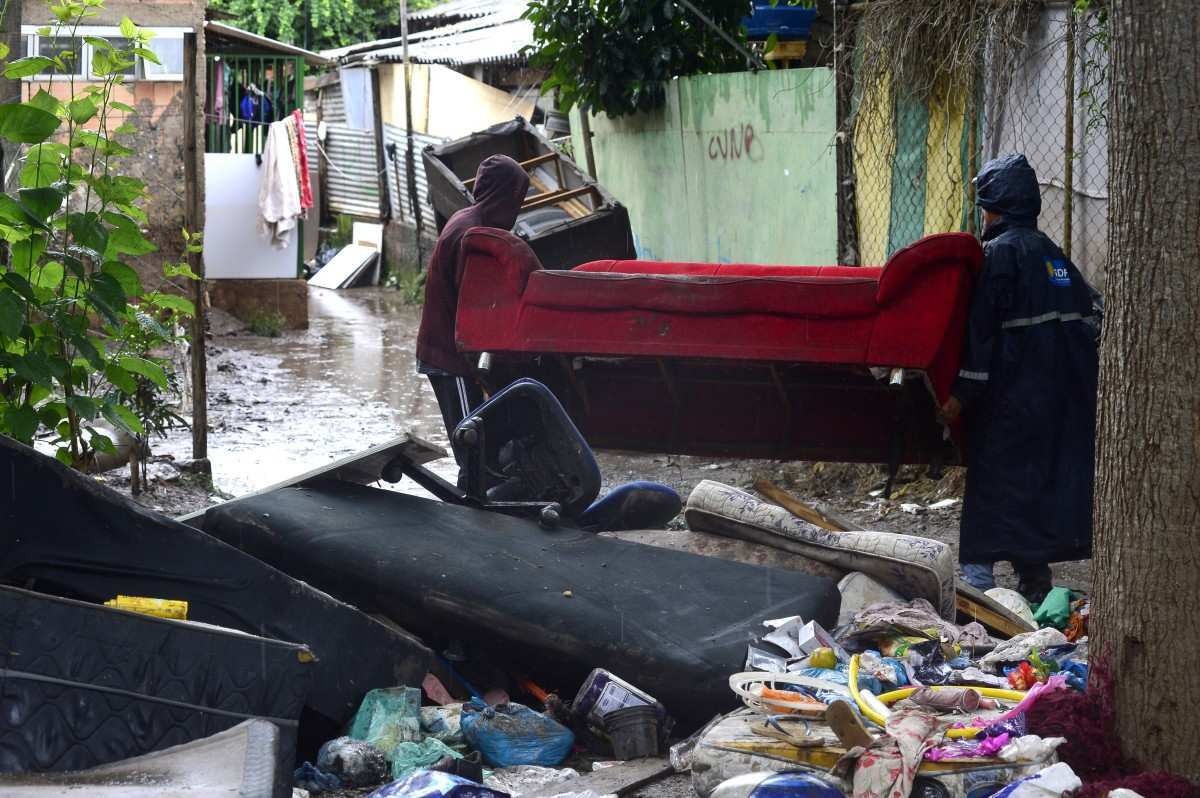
633, 732
603, 693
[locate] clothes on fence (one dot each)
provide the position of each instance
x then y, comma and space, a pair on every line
302, 173
279, 207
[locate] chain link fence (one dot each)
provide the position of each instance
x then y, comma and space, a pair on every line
910, 163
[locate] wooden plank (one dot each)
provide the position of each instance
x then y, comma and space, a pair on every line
973, 605
619, 779
804, 512
555, 197
361, 468
526, 165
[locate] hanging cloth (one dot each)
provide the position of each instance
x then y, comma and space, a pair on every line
356, 97
279, 191
306, 197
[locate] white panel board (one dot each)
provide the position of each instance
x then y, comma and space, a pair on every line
233, 248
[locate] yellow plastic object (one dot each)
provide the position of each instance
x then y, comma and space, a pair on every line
879, 720
987, 692
823, 658
159, 608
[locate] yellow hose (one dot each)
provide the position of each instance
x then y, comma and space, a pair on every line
896, 695
987, 692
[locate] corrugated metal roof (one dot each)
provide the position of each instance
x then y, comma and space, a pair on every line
495, 37
502, 43
465, 9
220, 29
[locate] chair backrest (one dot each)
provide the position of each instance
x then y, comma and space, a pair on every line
529, 451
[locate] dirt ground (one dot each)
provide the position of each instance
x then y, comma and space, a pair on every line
281, 406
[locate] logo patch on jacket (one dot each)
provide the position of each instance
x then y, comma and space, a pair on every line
1057, 271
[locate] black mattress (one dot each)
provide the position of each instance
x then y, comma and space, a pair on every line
84, 685
553, 604
64, 534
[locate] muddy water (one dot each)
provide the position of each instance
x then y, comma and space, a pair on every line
281, 406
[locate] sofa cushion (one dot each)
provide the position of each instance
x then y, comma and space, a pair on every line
811, 297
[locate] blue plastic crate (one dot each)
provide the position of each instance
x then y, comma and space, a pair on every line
788, 23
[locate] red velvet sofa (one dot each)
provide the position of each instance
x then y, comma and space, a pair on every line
795, 362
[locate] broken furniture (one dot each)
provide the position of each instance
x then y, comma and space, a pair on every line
85, 685
64, 534
567, 218
522, 456
551, 603
800, 363
913, 567
357, 263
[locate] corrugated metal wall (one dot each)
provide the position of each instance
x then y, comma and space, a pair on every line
398, 183
351, 163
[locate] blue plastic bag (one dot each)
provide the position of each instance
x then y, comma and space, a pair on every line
432, 784
513, 734
839, 676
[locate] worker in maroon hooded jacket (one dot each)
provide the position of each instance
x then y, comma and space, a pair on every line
499, 190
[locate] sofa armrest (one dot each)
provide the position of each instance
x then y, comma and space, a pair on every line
906, 268
496, 269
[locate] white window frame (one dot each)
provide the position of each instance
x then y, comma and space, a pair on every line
31, 37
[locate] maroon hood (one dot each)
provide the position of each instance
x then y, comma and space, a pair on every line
499, 190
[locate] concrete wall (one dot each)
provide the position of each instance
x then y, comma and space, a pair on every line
159, 119
735, 168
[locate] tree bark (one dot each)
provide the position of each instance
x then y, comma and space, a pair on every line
1146, 612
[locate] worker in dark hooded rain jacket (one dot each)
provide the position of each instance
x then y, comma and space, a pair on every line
500, 187
1027, 393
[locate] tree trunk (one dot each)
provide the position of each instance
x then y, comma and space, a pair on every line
1146, 614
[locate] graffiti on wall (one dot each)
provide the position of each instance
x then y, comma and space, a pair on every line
734, 144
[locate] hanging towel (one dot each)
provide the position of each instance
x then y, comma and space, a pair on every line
356, 97
279, 191
306, 197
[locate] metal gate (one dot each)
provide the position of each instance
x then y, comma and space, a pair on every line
245, 94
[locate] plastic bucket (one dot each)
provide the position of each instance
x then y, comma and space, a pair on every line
633, 731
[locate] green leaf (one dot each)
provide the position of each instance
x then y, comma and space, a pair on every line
148, 55
43, 165
21, 422
173, 302
51, 414
26, 67
12, 314
179, 270
42, 202
118, 188
26, 124
122, 107
101, 442
84, 407
107, 296
125, 237
122, 416
128, 29
121, 379
45, 101
63, 455
147, 368
88, 231
82, 110
4, 50
16, 213
128, 279
33, 367
90, 353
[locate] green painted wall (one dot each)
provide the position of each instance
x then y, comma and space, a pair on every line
736, 168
